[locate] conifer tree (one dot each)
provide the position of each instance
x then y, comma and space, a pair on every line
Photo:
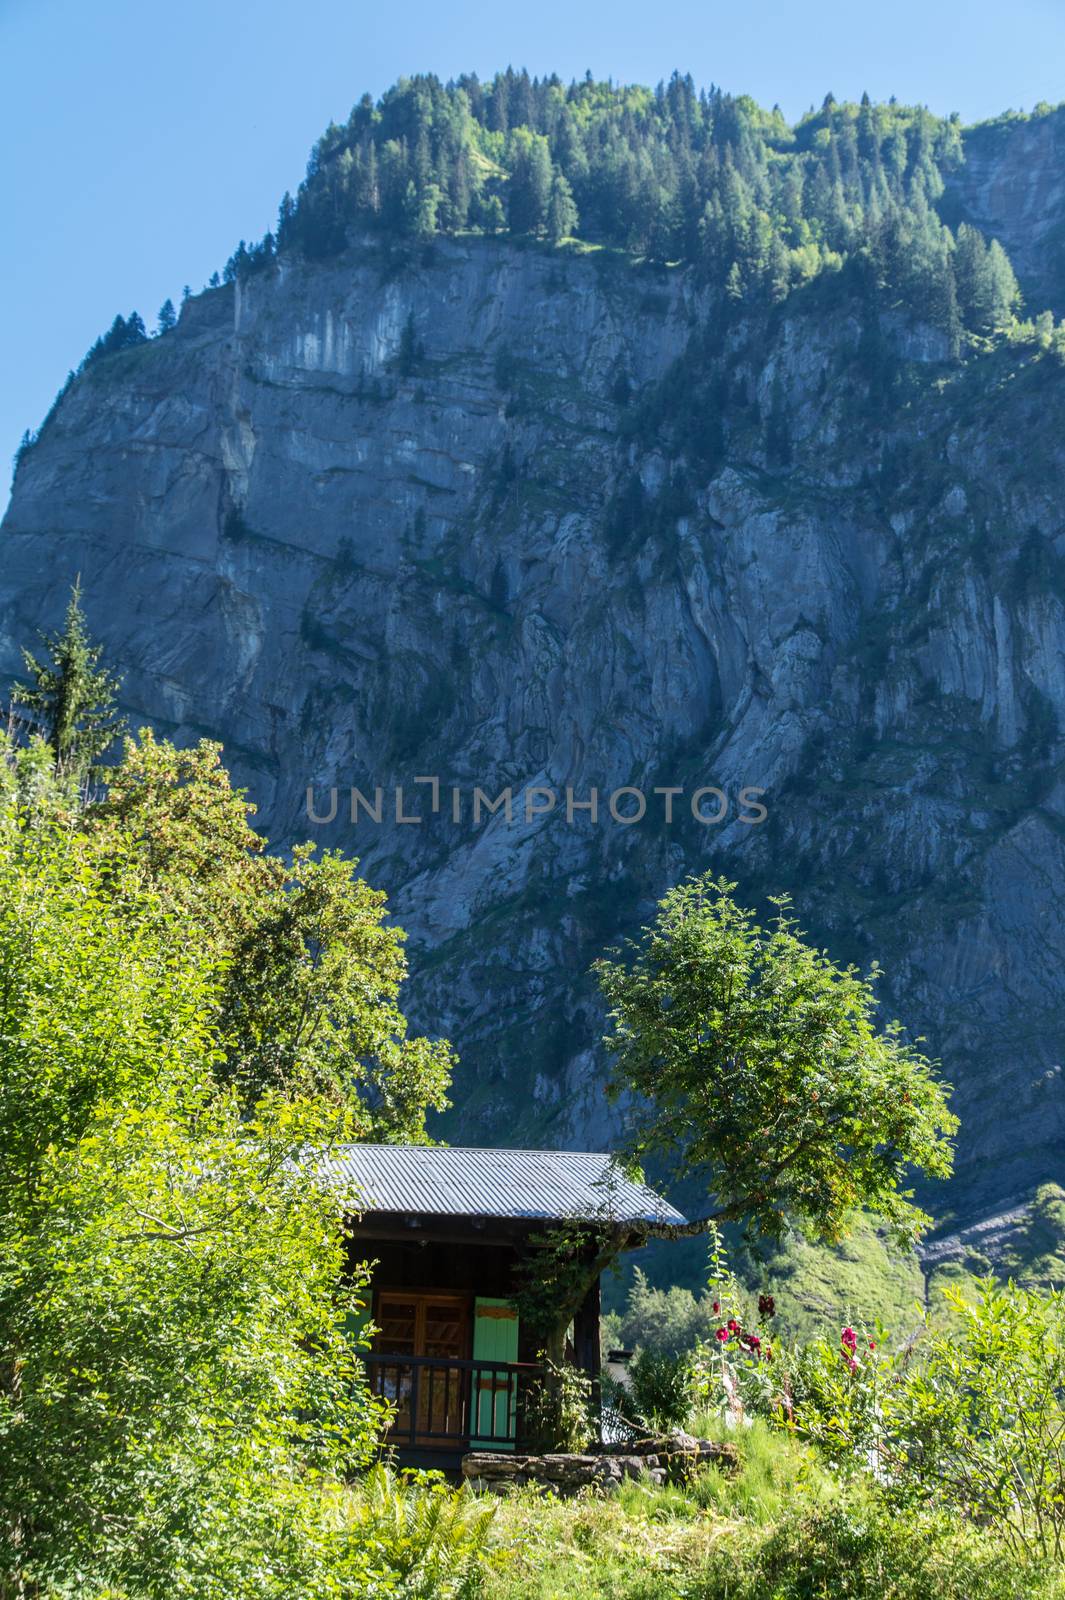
115, 338
970, 267
987, 288
72, 697
492, 217
1003, 292
705, 178
561, 210
530, 182
167, 316
26, 443
460, 190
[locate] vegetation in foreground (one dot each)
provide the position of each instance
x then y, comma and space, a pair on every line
932, 1468
780, 1530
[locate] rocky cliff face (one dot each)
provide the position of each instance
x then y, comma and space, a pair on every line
374, 522
1012, 187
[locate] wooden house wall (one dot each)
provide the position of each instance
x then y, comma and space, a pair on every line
485, 1270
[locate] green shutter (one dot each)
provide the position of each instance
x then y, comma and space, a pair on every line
356, 1322
495, 1338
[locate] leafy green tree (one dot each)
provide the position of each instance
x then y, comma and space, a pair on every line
179, 1395
751, 1065
667, 1321
309, 1000
71, 696
123, 334
754, 1066
1003, 290
459, 191
429, 203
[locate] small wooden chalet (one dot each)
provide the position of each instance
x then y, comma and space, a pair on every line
445, 1230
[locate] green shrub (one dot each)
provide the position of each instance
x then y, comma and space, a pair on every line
658, 1394
834, 1394
979, 1422
558, 1411
859, 1551
776, 1472
971, 1422
431, 1541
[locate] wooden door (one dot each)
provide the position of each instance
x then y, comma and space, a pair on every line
435, 1326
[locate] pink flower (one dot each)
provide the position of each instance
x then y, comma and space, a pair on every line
721, 1335
872, 1344
852, 1365
850, 1339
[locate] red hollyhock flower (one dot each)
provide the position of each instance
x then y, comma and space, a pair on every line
721, 1335
850, 1339
733, 1325
717, 1308
852, 1365
766, 1305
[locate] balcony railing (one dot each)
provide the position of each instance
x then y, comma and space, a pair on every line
436, 1402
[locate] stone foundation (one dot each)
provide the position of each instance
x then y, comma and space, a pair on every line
672, 1459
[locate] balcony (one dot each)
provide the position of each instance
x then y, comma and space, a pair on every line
446, 1405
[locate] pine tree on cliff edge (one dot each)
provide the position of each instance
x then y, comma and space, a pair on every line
73, 698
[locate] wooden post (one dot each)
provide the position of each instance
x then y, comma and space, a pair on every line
586, 1340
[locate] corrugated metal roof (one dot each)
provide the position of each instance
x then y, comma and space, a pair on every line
549, 1185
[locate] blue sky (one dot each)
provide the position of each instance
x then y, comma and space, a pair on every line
139, 142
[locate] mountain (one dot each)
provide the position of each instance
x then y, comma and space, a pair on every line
397, 502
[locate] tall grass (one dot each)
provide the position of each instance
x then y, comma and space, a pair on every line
782, 1527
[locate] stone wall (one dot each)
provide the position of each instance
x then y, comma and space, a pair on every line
672, 1459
